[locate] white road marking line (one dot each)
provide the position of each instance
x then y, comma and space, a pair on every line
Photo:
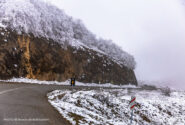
25, 120
20, 119
9, 90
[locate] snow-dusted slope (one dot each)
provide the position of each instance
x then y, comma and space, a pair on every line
110, 107
45, 20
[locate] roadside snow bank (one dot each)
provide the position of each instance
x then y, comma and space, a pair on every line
110, 107
67, 82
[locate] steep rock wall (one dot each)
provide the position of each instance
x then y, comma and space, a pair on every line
39, 58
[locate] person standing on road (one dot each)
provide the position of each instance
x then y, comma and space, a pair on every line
72, 81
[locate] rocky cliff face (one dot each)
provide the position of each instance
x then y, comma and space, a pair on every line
39, 41
39, 58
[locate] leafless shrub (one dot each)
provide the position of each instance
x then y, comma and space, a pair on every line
116, 93
148, 87
166, 91
103, 99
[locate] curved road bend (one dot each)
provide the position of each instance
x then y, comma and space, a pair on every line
27, 104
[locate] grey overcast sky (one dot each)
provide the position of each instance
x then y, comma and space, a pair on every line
151, 30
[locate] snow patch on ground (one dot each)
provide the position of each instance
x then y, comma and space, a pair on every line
110, 107
2, 26
67, 82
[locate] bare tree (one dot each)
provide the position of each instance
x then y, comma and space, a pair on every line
166, 91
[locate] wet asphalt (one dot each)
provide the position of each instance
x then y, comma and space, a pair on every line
27, 104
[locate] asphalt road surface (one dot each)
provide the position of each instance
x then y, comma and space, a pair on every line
27, 104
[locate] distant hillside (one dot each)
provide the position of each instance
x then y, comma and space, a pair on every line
38, 40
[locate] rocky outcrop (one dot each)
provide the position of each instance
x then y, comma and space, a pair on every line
39, 58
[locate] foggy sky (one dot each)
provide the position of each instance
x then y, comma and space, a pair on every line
151, 30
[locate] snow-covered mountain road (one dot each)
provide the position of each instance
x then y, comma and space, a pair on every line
27, 104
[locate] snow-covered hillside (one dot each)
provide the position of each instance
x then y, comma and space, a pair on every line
110, 107
45, 20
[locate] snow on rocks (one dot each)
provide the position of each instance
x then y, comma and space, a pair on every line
2, 26
110, 107
35, 81
2, 34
